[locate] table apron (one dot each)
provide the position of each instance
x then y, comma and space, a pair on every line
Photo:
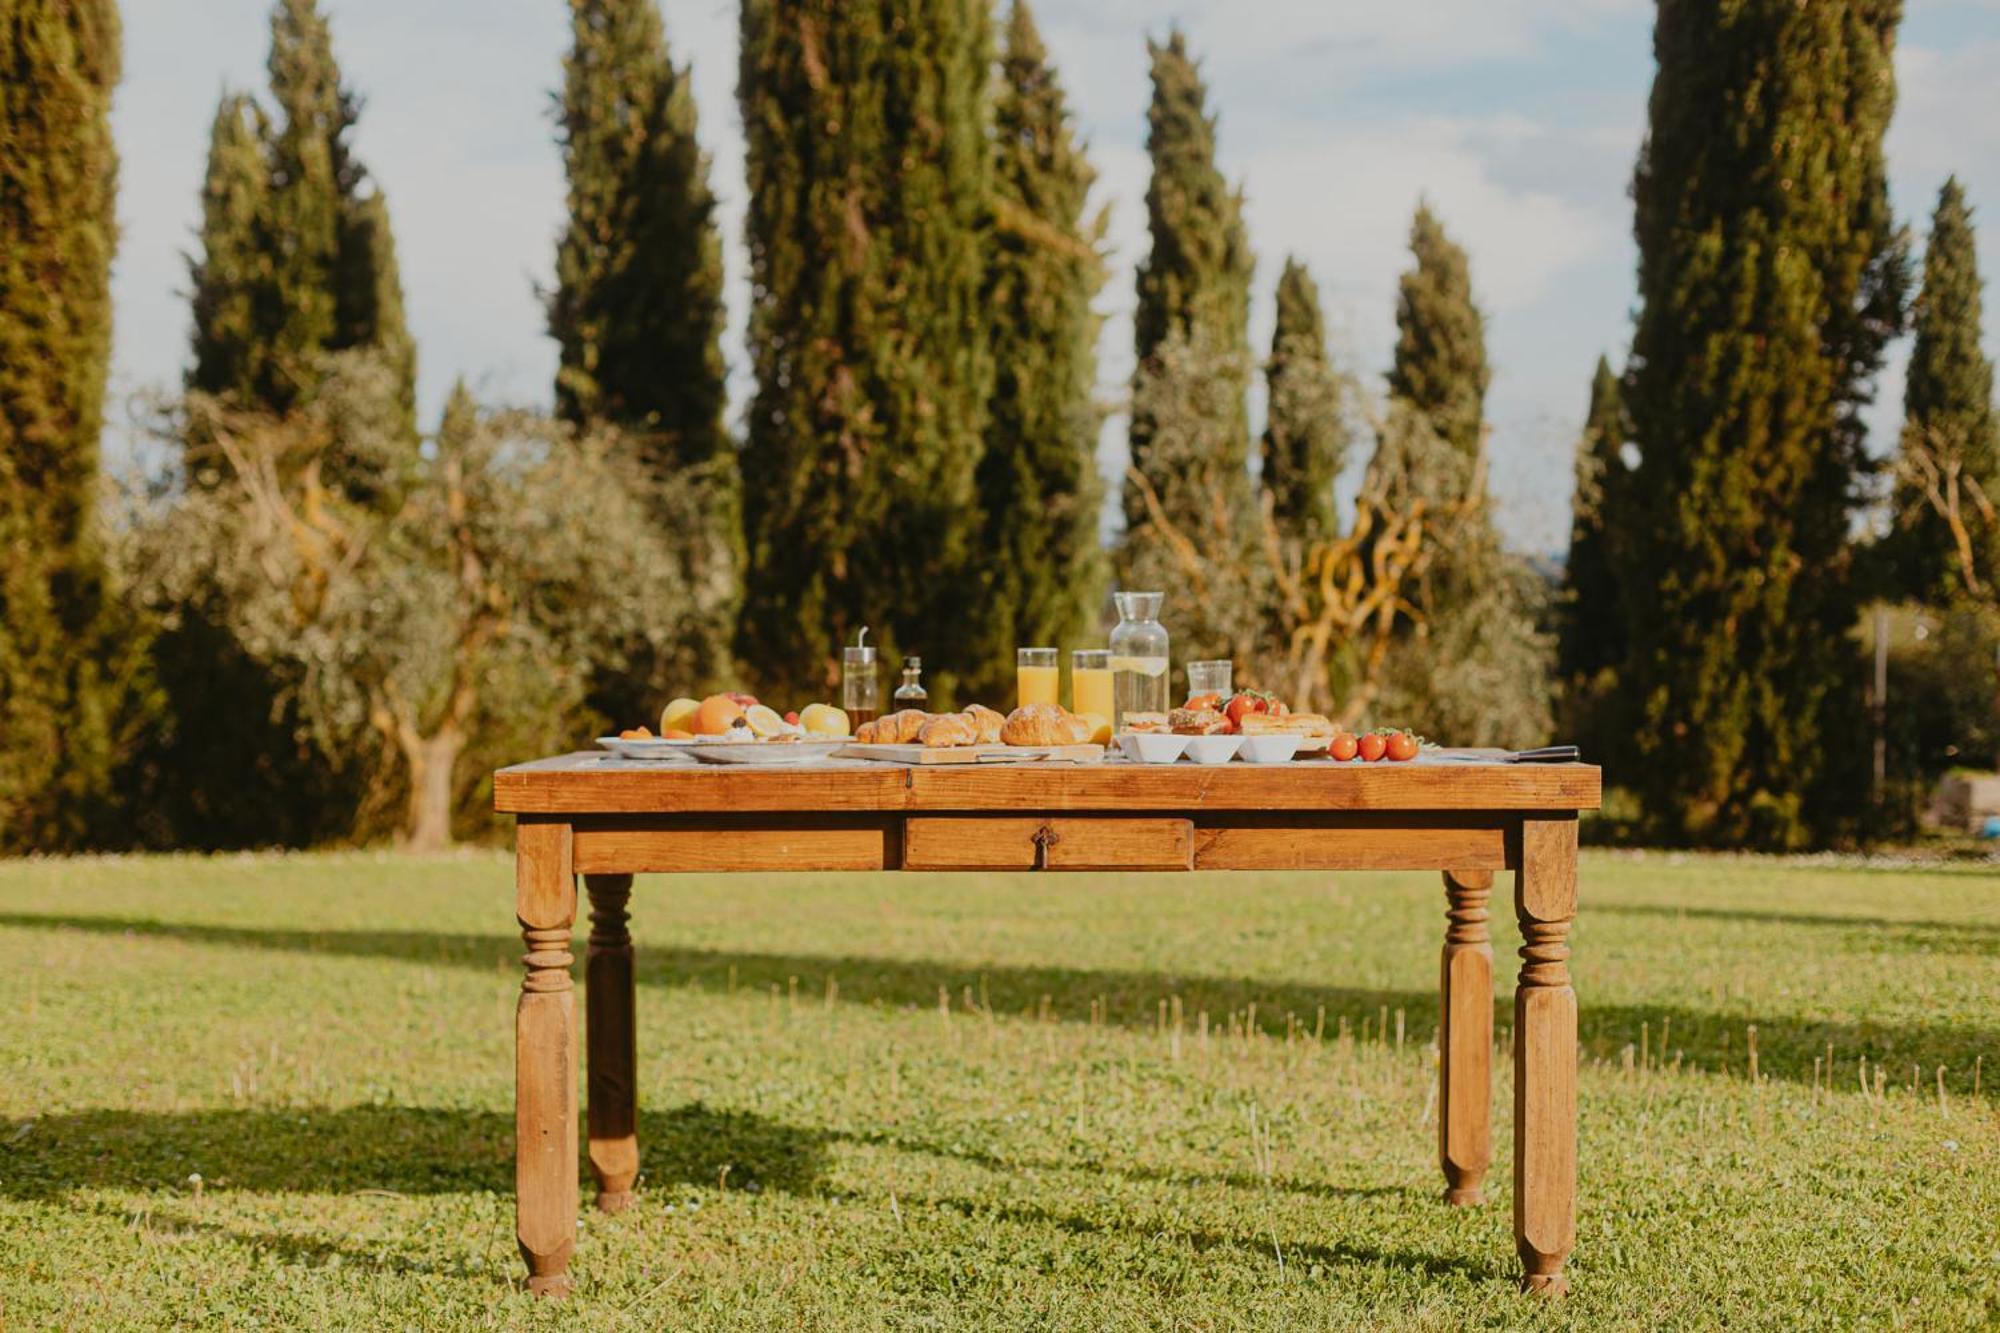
1048, 840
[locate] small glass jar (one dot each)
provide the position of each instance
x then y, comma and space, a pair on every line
1138, 656
860, 687
1211, 677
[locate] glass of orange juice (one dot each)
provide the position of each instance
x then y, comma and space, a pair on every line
1038, 675
1090, 682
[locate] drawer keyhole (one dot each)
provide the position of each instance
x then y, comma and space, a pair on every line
1045, 838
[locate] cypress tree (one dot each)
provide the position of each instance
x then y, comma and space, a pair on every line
1947, 398
637, 310
1593, 620
297, 259
868, 168
1038, 481
1194, 284
1305, 438
1770, 276
1440, 364
63, 654
230, 352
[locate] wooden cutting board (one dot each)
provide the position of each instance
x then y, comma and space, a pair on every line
973, 754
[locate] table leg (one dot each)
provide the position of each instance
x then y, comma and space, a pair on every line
613, 1043
1465, 1038
1545, 1057
545, 1058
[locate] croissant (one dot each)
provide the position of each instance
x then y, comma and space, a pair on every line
987, 722
900, 728
945, 730
1043, 724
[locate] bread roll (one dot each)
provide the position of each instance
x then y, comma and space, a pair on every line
1197, 722
1291, 724
988, 722
945, 730
1040, 724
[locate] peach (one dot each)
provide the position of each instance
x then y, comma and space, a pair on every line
715, 716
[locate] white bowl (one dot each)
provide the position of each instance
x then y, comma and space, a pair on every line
1213, 749
1274, 749
1152, 747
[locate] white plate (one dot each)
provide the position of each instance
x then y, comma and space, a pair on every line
764, 754
1152, 747
1213, 749
653, 747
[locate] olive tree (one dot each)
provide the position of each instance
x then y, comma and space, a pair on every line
517, 556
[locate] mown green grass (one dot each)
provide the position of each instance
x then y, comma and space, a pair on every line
326, 1041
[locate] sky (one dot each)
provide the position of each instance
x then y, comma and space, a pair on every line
1518, 119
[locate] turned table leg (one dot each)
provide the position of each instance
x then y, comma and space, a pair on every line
1465, 1038
545, 1058
1545, 1057
613, 1043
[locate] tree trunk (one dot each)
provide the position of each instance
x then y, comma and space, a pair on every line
432, 761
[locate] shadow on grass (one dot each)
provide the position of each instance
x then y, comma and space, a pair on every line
403, 1149
1710, 1039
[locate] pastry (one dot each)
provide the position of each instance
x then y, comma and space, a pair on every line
1197, 722
945, 730
988, 723
1146, 722
1290, 724
1040, 724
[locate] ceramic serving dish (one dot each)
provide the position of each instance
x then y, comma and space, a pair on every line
1275, 749
1213, 749
1152, 747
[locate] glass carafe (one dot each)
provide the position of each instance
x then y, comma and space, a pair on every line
1138, 656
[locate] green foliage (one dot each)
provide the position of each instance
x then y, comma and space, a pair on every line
868, 168
70, 684
1948, 415
1038, 481
1440, 366
328, 1035
519, 556
1192, 318
1770, 274
1305, 435
637, 309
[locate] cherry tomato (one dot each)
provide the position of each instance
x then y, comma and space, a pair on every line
1243, 705
1371, 746
1343, 746
1402, 746
793, 717
1211, 701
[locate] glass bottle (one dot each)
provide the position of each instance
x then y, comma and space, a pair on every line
911, 693
860, 691
1138, 656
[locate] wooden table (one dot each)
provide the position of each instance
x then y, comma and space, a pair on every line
608, 819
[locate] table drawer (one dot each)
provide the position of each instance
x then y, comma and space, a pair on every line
1054, 842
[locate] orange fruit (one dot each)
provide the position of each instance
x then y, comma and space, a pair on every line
714, 716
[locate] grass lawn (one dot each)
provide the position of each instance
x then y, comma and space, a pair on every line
931, 1102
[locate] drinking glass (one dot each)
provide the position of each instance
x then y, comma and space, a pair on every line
1211, 677
1090, 682
1038, 674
